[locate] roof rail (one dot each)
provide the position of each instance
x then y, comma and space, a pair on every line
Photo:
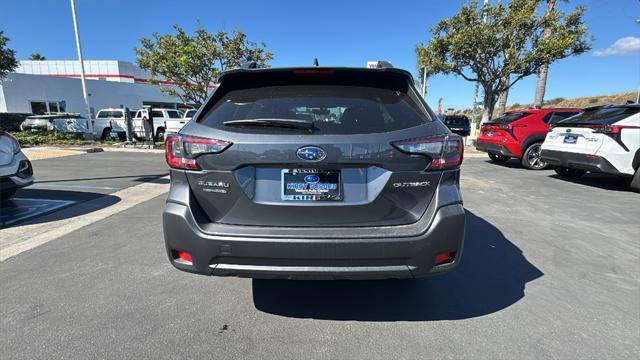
249, 65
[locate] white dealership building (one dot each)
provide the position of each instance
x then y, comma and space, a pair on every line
50, 86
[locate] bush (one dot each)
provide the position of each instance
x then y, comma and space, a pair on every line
26, 138
11, 121
594, 100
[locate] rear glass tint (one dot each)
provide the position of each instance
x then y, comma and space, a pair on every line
456, 121
601, 116
332, 109
510, 117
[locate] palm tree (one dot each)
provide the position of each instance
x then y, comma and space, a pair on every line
541, 85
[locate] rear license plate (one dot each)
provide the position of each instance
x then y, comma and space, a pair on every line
311, 185
570, 139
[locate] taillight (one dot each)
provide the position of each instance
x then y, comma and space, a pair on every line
181, 151
612, 129
110, 124
15, 145
446, 152
164, 124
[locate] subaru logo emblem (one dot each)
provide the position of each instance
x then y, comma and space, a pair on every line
311, 153
311, 179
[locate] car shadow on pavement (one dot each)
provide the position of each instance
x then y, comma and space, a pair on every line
492, 276
37, 206
602, 181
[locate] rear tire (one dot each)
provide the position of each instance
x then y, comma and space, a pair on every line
105, 134
568, 173
634, 184
531, 158
499, 158
160, 135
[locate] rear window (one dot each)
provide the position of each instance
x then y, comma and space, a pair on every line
332, 109
190, 113
456, 121
601, 116
110, 114
510, 117
174, 114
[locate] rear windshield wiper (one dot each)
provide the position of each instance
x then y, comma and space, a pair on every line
286, 123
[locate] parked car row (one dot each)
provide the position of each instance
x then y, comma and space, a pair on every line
111, 122
600, 139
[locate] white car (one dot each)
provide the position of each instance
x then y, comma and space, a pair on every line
15, 169
603, 139
111, 121
161, 119
172, 126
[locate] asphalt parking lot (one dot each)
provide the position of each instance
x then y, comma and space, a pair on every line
551, 269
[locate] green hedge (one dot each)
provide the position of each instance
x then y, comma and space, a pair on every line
26, 138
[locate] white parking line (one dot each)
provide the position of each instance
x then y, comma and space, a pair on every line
67, 186
18, 239
45, 209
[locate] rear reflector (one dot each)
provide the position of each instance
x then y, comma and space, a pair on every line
181, 151
445, 258
183, 257
446, 152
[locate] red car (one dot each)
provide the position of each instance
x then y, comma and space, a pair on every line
519, 134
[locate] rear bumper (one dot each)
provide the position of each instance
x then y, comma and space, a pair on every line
494, 148
17, 174
580, 161
315, 258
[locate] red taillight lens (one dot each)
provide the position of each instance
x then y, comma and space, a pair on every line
181, 151
608, 129
183, 257
446, 152
445, 258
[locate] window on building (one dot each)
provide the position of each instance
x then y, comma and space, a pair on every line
38, 107
53, 107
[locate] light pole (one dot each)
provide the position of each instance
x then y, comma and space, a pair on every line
82, 77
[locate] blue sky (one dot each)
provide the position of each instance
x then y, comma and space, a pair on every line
336, 32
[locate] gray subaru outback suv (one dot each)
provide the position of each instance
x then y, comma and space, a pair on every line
314, 173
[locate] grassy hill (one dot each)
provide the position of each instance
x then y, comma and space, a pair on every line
582, 102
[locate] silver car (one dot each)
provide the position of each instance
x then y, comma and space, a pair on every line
15, 169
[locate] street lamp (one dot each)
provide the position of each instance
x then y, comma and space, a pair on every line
89, 135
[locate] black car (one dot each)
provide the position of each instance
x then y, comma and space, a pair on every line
315, 173
458, 124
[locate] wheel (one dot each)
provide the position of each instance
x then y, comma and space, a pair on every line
6, 195
499, 158
568, 173
531, 158
634, 184
105, 134
160, 134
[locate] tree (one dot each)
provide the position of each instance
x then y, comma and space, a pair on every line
541, 84
191, 63
8, 61
37, 56
497, 46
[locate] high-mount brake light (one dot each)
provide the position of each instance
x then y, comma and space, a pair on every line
181, 151
446, 152
313, 71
